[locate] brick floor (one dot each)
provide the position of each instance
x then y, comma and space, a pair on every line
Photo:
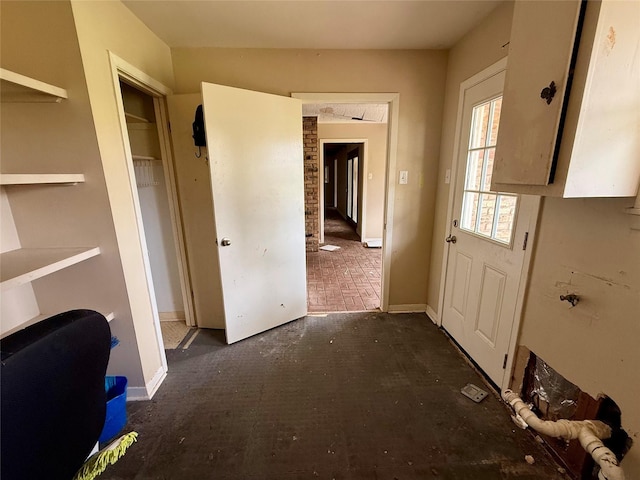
347, 279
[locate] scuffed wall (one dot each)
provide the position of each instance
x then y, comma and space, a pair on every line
417, 75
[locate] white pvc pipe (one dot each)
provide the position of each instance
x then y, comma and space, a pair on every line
588, 432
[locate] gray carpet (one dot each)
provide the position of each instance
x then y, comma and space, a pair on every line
349, 396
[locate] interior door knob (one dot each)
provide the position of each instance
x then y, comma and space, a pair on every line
451, 239
225, 242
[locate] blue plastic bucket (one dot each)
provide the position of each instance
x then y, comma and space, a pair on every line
116, 419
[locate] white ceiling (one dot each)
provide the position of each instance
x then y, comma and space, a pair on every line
312, 24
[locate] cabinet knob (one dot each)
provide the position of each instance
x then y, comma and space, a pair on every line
549, 92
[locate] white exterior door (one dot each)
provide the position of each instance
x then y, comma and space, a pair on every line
255, 151
486, 238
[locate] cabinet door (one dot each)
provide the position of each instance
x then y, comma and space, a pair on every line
605, 151
542, 41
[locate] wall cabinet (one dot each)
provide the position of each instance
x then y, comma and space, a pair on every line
570, 121
27, 256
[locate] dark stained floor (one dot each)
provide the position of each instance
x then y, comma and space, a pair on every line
348, 396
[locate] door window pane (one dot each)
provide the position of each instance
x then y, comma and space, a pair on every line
495, 120
475, 161
489, 155
486, 213
469, 210
506, 214
479, 124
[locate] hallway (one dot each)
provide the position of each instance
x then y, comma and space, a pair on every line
347, 279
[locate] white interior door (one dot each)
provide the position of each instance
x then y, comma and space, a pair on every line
486, 238
255, 152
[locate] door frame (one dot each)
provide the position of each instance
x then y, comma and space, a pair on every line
123, 71
393, 100
472, 81
363, 192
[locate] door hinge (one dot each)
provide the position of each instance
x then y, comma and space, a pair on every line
169, 126
504, 362
526, 239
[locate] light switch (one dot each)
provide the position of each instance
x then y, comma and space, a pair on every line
404, 177
370, 176
447, 176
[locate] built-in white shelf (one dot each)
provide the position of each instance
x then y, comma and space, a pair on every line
40, 178
20, 88
27, 264
32, 321
131, 118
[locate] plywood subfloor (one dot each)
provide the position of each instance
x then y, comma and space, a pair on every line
173, 333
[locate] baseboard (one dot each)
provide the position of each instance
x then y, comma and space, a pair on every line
431, 313
408, 308
171, 316
136, 394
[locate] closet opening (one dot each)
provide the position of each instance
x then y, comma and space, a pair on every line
158, 208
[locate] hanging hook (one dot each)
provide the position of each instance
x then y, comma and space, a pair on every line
199, 154
572, 298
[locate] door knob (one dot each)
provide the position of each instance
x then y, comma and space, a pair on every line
225, 242
451, 239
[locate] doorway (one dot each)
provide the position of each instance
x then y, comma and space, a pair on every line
387, 177
144, 133
342, 183
488, 252
344, 274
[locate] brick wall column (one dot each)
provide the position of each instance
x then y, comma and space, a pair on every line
311, 183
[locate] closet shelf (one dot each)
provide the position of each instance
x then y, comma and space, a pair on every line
131, 118
18, 88
38, 318
40, 178
144, 157
27, 264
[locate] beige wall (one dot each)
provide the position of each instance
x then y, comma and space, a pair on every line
39, 40
376, 136
103, 27
584, 246
419, 78
479, 49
